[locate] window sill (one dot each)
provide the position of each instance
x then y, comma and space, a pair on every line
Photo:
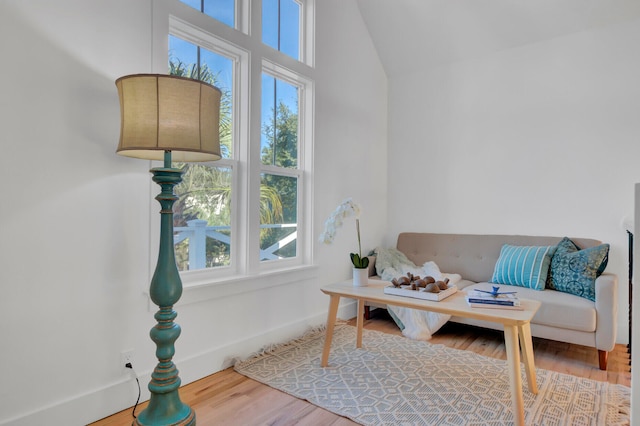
239, 284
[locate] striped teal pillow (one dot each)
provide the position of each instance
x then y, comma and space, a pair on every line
524, 266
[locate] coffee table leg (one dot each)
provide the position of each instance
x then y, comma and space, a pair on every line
513, 361
359, 322
527, 354
331, 322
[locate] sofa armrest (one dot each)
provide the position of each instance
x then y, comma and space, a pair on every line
606, 311
372, 265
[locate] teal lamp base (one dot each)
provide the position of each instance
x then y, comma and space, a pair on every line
165, 407
165, 411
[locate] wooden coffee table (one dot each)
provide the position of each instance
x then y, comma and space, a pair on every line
517, 329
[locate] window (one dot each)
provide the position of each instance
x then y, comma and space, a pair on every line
279, 159
281, 26
202, 212
222, 10
244, 214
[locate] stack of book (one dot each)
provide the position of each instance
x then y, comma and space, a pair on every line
479, 299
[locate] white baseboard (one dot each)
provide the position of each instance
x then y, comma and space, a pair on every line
120, 395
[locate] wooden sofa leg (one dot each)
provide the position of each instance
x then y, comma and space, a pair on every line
367, 312
602, 358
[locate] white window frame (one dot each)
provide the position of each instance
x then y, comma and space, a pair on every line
240, 112
305, 154
251, 57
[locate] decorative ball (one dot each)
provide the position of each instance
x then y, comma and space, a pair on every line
441, 285
432, 288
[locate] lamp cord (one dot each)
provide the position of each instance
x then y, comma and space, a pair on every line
133, 412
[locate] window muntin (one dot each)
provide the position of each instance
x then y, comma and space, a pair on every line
281, 21
221, 10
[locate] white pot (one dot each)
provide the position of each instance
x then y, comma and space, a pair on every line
360, 277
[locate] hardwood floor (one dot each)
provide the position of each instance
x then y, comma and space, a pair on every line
228, 398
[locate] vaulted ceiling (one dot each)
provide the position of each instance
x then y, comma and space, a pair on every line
410, 34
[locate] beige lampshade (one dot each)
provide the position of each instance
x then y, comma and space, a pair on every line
168, 113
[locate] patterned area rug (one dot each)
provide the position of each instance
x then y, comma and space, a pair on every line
393, 380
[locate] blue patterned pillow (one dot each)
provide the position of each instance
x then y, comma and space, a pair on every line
524, 266
575, 271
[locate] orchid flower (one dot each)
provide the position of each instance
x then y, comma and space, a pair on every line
345, 210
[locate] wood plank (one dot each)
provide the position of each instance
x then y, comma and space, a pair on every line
228, 398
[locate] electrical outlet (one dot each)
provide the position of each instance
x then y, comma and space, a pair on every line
127, 357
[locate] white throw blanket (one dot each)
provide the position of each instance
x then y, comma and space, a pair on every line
415, 324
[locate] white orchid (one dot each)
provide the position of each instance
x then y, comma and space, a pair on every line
345, 210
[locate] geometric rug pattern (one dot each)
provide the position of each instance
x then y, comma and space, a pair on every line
393, 380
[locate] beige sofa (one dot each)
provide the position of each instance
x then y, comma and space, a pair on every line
563, 317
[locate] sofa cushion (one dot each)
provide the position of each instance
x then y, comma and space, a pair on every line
575, 271
524, 266
561, 310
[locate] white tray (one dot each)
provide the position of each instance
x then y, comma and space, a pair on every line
405, 290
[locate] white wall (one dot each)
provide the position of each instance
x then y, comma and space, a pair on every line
75, 250
536, 140
351, 131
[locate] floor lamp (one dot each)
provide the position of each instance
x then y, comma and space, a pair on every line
161, 116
